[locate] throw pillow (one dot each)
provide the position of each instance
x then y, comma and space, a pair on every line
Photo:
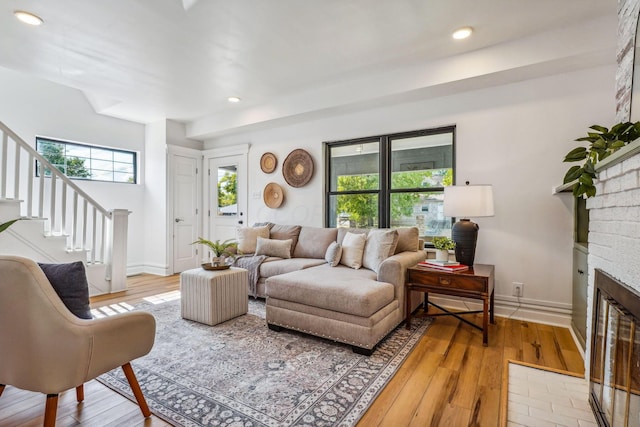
284, 232
334, 253
248, 238
70, 283
380, 244
352, 249
408, 239
273, 247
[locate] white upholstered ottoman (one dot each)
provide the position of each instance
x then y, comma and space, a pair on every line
213, 296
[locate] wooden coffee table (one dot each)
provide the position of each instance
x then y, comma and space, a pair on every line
477, 283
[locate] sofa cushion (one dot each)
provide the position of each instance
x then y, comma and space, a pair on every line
248, 238
273, 247
70, 283
342, 231
408, 238
352, 250
340, 289
314, 241
286, 232
379, 246
274, 266
334, 254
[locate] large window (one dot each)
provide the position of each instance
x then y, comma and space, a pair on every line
80, 161
391, 181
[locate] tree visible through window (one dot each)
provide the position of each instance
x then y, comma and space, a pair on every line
80, 161
391, 181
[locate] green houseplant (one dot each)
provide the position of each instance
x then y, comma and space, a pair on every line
602, 143
218, 249
443, 245
7, 224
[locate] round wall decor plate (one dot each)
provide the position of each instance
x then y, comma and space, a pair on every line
297, 168
273, 195
268, 162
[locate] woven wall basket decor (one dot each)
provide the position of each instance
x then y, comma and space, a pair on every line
273, 195
297, 168
268, 162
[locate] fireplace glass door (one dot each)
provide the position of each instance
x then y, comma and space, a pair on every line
615, 364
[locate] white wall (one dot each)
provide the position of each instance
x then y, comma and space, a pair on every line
512, 136
31, 106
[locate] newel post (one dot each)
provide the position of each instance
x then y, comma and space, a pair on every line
118, 251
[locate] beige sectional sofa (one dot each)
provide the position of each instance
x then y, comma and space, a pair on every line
356, 306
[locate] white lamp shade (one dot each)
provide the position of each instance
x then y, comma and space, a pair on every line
468, 201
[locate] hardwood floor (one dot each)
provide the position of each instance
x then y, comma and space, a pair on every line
449, 379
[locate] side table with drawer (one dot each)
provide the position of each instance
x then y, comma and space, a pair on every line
476, 282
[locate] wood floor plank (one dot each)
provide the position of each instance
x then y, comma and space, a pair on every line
449, 379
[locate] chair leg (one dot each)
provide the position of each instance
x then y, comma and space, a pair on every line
1, 389
80, 392
50, 410
135, 388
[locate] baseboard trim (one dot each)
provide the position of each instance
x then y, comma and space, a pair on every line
158, 270
531, 310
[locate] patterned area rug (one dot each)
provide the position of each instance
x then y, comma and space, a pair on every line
240, 373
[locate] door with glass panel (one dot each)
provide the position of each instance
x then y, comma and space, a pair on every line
226, 196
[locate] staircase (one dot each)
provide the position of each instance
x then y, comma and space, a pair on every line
60, 222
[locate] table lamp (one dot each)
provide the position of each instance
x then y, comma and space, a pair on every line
467, 201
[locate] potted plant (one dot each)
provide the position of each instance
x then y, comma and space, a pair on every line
603, 143
7, 224
443, 245
219, 250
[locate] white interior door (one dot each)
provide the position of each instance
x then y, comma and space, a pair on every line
184, 175
227, 196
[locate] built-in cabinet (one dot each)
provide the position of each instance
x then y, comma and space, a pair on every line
580, 270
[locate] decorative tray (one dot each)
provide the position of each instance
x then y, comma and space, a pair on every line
208, 266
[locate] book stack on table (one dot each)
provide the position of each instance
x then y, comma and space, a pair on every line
443, 265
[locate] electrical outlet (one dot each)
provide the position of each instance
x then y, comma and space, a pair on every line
518, 289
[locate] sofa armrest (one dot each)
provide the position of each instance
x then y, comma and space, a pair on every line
393, 270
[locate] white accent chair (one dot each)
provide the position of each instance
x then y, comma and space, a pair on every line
47, 349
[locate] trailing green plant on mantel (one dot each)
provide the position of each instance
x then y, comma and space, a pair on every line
603, 143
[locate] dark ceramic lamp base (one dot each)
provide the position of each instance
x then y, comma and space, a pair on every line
465, 234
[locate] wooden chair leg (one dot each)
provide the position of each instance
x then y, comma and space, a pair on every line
1, 389
50, 410
135, 388
80, 392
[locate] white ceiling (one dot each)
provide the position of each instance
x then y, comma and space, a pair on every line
145, 60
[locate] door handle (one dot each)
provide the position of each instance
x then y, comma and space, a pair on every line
179, 219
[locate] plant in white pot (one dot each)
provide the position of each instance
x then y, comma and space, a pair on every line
219, 250
443, 245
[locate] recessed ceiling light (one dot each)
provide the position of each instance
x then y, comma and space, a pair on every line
27, 17
233, 99
462, 33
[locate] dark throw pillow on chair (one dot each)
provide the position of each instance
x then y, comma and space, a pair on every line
70, 283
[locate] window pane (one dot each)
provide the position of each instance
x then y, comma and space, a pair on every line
101, 154
423, 210
73, 150
119, 156
123, 177
227, 190
355, 167
123, 167
354, 210
101, 165
422, 161
98, 175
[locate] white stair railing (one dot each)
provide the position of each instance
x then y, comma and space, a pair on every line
65, 207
